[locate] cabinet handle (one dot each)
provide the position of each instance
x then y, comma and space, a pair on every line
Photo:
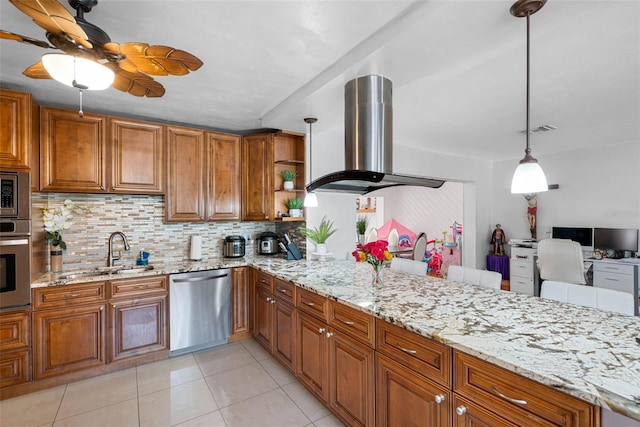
268, 299
273, 300
329, 334
321, 330
405, 349
461, 410
518, 401
102, 308
284, 291
345, 322
141, 287
264, 281
439, 398
611, 279
72, 296
310, 304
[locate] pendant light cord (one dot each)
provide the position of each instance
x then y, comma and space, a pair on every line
528, 149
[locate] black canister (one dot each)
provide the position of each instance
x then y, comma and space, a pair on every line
234, 246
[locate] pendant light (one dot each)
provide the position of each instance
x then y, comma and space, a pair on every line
529, 176
310, 200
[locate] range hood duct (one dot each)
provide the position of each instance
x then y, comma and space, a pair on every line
368, 120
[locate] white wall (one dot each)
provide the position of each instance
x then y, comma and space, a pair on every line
598, 188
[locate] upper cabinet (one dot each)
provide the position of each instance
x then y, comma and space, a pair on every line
72, 151
265, 156
15, 130
137, 156
203, 176
100, 154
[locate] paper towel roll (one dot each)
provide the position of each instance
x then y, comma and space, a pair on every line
196, 248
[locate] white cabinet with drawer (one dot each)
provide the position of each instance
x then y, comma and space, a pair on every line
617, 275
522, 271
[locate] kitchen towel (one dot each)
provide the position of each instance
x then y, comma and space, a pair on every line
196, 248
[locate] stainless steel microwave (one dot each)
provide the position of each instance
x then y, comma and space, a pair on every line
15, 195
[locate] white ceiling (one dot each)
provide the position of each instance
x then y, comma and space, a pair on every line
458, 68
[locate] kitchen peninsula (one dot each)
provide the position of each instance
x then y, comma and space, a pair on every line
583, 352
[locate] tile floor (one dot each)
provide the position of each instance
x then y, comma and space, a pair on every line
239, 384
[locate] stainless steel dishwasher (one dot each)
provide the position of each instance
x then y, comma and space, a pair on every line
199, 313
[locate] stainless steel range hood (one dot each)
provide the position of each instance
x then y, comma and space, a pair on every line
368, 114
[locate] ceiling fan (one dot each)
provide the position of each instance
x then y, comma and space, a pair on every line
131, 63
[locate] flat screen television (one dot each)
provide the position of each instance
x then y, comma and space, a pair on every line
616, 239
582, 235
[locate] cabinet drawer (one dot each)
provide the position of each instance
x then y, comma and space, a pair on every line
14, 331
522, 254
521, 285
138, 286
468, 414
285, 290
518, 399
613, 268
264, 279
14, 368
68, 295
312, 303
356, 324
617, 282
426, 356
521, 268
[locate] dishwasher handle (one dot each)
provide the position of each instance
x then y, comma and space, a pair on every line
200, 279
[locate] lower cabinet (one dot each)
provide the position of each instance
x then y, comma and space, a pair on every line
405, 398
284, 318
263, 316
69, 339
240, 304
470, 414
15, 348
313, 357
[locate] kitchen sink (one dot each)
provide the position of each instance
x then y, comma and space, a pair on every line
133, 270
72, 276
85, 274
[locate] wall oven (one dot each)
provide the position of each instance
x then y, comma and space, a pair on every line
15, 240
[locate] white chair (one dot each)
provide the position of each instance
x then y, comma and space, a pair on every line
409, 266
561, 260
419, 247
588, 296
393, 240
372, 236
473, 276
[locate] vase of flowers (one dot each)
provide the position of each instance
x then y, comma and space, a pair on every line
374, 253
56, 220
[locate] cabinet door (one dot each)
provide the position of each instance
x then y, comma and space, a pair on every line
404, 398
185, 170
312, 367
15, 130
468, 414
137, 327
137, 156
257, 165
284, 333
263, 318
68, 340
72, 152
352, 385
15, 348
224, 163
240, 303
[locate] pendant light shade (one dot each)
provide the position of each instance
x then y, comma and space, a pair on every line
529, 176
310, 200
76, 72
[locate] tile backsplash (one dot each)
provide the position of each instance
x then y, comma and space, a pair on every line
140, 218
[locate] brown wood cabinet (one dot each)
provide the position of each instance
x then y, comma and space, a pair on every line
312, 367
203, 175
241, 327
73, 151
15, 130
263, 308
137, 156
257, 183
15, 348
470, 414
137, 317
284, 318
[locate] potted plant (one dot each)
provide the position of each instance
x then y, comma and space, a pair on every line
294, 204
320, 234
361, 227
288, 175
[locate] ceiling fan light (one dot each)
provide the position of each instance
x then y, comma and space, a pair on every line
77, 72
311, 200
529, 177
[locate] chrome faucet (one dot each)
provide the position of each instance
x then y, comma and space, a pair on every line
111, 257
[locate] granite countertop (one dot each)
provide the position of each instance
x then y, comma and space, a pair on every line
587, 353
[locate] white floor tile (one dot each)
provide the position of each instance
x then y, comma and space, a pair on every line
212, 419
307, 402
271, 409
280, 374
167, 373
329, 421
240, 384
222, 359
256, 350
122, 414
175, 405
34, 409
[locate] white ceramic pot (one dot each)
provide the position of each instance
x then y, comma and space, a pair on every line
321, 248
295, 213
288, 185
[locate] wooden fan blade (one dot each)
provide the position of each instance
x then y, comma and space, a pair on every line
37, 71
23, 39
136, 84
156, 60
53, 17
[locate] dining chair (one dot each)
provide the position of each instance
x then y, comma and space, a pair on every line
561, 260
372, 236
588, 296
474, 276
419, 247
409, 266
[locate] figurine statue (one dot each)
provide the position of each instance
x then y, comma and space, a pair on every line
498, 239
532, 212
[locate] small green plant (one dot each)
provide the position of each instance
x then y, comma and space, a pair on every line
361, 224
294, 203
321, 233
288, 174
